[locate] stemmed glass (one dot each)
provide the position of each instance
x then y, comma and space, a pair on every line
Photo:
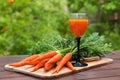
78, 25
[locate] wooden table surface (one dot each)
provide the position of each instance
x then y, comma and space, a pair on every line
106, 72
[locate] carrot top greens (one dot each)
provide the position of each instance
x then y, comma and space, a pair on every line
91, 45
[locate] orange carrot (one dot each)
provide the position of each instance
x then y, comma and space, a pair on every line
24, 61
49, 66
55, 70
65, 59
69, 65
46, 55
52, 61
18, 64
40, 64
32, 63
55, 59
31, 57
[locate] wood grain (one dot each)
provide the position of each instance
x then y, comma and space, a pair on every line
104, 72
65, 71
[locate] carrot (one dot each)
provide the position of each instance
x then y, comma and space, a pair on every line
55, 70
31, 57
55, 59
69, 65
32, 63
46, 55
49, 66
18, 64
40, 64
52, 61
24, 61
65, 59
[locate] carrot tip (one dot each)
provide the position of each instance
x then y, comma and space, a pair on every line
33, 70
53, 72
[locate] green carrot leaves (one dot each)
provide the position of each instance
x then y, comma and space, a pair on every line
91, 45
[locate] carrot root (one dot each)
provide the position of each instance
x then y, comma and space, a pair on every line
18, 64
46, 55
30, 57
55, 59
48, 67
40, 64
70, 66
65, 59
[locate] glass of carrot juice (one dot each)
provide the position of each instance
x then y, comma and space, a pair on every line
78, 25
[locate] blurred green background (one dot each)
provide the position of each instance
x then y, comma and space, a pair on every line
24, 22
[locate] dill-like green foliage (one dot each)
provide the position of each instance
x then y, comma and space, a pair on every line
95, 45
91, 45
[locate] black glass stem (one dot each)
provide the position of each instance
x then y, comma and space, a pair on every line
78, 48
78, 62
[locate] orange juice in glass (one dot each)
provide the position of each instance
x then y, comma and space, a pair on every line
78, 25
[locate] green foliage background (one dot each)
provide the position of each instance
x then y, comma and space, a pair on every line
24, 22
99, 12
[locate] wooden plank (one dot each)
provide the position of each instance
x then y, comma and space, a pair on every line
69, 77
106, 78
101, 70
21, 78
42, 74
8, 74
98, 74
10, 59
114, 55
91, 75
108, 67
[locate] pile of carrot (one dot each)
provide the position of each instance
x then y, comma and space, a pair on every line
48, 61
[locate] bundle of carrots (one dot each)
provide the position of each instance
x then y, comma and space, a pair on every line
48, 61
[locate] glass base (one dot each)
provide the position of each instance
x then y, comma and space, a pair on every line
79, 64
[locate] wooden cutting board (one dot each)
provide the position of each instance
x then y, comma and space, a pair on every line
65, 71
